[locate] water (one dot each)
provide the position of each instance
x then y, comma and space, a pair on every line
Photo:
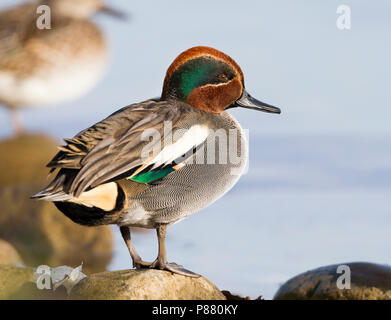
305, 202
318, 187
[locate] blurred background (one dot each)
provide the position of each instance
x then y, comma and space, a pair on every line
319, 182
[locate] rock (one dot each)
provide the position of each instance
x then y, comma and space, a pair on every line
369, 281
17, 283
43, 235
232, 296
12, 279
144, 285
29, 291
25, 158
49, 284
8, 254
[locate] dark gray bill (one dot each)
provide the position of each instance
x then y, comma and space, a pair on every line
247, 101
113, 12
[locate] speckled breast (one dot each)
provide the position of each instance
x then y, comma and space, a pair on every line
208, 174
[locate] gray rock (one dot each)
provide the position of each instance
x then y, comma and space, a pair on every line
369, 281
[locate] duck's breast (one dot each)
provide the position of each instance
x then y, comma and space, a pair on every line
207, 175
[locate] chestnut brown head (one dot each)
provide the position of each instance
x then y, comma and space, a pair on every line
209, 80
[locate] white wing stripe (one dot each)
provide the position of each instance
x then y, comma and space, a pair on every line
192, 138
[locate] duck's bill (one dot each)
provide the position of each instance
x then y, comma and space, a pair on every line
113, 12
247, 101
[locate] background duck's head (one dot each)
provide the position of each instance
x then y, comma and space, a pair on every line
209, 80
81, 9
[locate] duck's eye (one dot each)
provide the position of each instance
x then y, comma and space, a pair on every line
222, 77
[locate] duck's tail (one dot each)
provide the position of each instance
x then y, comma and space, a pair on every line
95, 207
58, 187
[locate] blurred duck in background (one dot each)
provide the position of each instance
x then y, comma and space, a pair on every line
51, 59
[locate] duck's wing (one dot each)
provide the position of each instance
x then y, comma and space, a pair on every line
132, 143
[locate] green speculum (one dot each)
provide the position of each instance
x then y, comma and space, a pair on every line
150, 176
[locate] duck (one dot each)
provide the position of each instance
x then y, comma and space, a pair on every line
154, 163
46, 65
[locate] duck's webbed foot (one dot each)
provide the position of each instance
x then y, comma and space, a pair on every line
173, 267
141, 264
161, 262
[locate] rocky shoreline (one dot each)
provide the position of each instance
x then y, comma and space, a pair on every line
33, 233
369, 282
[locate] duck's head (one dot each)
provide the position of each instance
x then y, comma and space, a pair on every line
209, 80
82, 9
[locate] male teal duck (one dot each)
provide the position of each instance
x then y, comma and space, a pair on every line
153, 163
39, 67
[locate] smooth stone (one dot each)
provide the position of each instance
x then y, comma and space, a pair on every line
233, 296
12, 279
30, 291
25, 158
8, 254
369, 281
144, 285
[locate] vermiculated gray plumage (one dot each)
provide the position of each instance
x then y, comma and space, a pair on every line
111, 148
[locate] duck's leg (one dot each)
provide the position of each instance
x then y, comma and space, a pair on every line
161, 260
138, 263
16, 122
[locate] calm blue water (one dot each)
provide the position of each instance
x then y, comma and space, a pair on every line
305, 202
319, 182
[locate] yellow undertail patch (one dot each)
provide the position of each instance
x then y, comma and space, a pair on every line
103, 197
